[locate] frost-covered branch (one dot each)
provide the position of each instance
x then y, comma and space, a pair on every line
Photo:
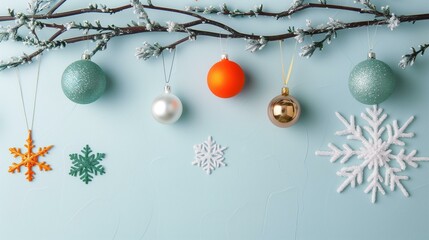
410, 58
331, 32
55, 7
39, 11
258, 10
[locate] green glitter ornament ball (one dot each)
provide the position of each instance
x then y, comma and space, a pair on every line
83, 81
371, 81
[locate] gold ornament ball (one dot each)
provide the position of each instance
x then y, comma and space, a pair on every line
284, 110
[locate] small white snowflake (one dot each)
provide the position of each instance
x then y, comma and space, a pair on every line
299, 35
308, 23
209, 155
69, 25
393, 22
174, 27
375, 154
334, 24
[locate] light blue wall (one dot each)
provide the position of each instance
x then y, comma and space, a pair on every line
274, 187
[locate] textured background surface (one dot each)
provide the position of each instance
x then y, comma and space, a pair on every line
274, 186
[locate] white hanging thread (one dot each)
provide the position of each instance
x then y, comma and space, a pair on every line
371, 41
223, 44
35, 96
167, 80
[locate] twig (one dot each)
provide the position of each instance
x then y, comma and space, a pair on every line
54, 8
105, 33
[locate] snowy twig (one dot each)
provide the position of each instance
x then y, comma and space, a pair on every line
258, 10
410, 58
35, 22
55, 7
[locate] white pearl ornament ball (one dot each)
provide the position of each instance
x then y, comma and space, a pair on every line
167, 108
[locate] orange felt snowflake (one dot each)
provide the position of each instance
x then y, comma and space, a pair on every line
29, 159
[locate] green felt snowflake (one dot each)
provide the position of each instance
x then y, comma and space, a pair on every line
86, 164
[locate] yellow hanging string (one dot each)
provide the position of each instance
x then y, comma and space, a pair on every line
285, 77
282, 62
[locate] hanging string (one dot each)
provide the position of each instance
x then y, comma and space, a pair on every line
86, 51
223, 42
285, 78
222, 49
35, 96
289, 72
35, 93
167, 80
371, 41
22, 96
282, 62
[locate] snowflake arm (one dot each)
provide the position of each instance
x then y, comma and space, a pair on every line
16, 152
409, 159
43, 151
372, 116
98, 169
394, 137
352, 131
43, 166
374, 185
209, 155
354, 174
336, 153
86, 164
77, 168
392, 180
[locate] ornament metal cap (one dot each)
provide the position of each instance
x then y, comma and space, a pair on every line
371, 55
86, 56
285, 91
224, 56
167, 89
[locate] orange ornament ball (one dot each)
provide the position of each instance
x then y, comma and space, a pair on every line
226, 78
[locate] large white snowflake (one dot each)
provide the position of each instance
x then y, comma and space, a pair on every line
375, 154
209, 155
